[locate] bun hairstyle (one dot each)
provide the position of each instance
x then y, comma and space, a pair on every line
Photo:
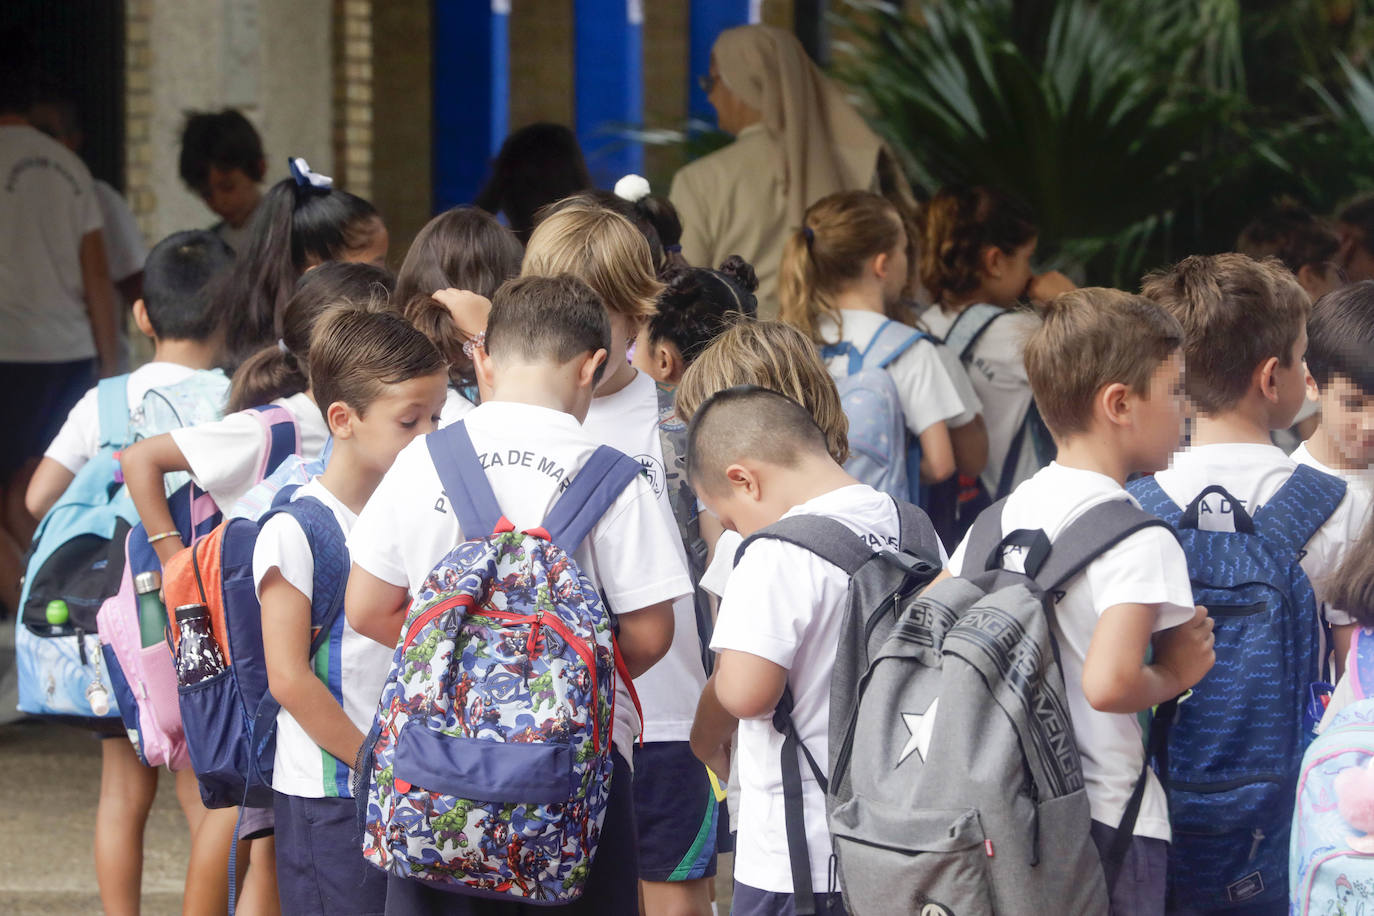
698, 304
297, 225
839, 234
659, 213
280, 369
957, 225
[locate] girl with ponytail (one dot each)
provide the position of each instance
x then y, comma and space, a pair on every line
840, 283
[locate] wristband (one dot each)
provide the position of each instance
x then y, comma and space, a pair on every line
162, 536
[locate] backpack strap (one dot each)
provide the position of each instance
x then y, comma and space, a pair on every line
464, 480
1361, 669
112, 407
1299, 509
1155, 501
283, 435
831, 540
916, 533
883, 347
968, 326
1090, 535
793, 806
595, 488
1012, 460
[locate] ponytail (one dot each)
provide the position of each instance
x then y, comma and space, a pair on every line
272, 372
433, 319
799, 303
957, 225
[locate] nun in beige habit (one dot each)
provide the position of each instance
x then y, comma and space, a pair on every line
797, 139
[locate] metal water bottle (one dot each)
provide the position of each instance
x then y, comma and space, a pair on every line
152, 614
198, 655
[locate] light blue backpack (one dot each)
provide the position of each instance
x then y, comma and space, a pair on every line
881, 453
1331, 860
77, 556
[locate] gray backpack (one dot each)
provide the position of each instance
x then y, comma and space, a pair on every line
956, 785
880, 581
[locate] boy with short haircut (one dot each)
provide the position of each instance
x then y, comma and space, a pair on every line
546, 344
754, 457
1245, 324
223, 163
175, 314
1107, 375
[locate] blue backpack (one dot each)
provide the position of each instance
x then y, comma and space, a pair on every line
881, 452
1230, 761
487, 770
1331, 864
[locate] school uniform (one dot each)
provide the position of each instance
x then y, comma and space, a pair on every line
530, 454
1148, 567
320, 866
455, 408
785, 604
675, 805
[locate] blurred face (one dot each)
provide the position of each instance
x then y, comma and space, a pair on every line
231, 195
1348, 420
731, 114
374, 252
402, 412
898, 265
1292, 380
1008, 274
1159, 415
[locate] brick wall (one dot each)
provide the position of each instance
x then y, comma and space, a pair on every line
353, 96
138, 110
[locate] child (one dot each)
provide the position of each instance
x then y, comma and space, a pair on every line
1107, 372
1307, 246
660, 213
380, 383
224, 458
1356, 227
608, 253
174, 312
697, 305
754, 457
545, 347
302, 222
1245, 325
461, 251
841, 281
222, 161
976, 246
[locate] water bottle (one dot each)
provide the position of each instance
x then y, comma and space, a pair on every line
152, 614
198, 655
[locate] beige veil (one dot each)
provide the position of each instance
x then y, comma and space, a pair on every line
826, 146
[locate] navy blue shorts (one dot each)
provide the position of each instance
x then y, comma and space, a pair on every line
612, 887
750, 901
38, 397
1139, 888
676, 812
320, 864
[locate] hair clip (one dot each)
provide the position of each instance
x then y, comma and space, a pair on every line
281, 345
472, 343
633, 188
810, 235
305, 178
673, 249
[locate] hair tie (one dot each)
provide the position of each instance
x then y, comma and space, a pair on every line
673, 249
305, 178
633, 188
810, 235
281, 345
472, 343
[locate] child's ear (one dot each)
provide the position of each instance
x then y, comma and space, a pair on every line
881, 264
145, 324
586, 373
1115, 403
994, 261
483, 369
744, 482
340, 418
668, 365
1267, 380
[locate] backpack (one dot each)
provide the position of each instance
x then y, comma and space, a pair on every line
955, 784
488, 768
672, 437
1330, 869
144, 679
77, 554
881, 452
1235, 744
878, 579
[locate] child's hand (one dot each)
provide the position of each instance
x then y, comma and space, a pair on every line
469, 310
1044, 287
719, 761
1187, 650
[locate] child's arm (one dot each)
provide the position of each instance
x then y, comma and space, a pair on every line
144, 463
970, 443
748, 686
50, 479
645, 636
286, 647
937, 453
1340, 644
711, 730
101, 308
374, 607
1115, 675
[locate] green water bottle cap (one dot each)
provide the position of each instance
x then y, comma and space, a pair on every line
56, 612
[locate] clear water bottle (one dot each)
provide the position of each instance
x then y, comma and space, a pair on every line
152, 614
198, 655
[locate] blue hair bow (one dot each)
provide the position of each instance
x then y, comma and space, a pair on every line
305, 178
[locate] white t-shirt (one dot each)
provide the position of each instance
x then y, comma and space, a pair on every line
785, 604
455, 408
668, 692
928, 395
530, 453
78, 440
225, 456
1149, 567
353, 667
722, 562
48, 204
1253, 473
124, 248
998, 372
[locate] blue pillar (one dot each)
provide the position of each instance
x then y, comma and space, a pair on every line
609, 78
708, 19
471, 94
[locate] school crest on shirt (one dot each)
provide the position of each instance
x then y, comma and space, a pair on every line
653, 472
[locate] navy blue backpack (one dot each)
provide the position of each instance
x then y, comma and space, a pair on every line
1234, 745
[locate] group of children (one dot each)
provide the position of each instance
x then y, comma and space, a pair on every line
593, 333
